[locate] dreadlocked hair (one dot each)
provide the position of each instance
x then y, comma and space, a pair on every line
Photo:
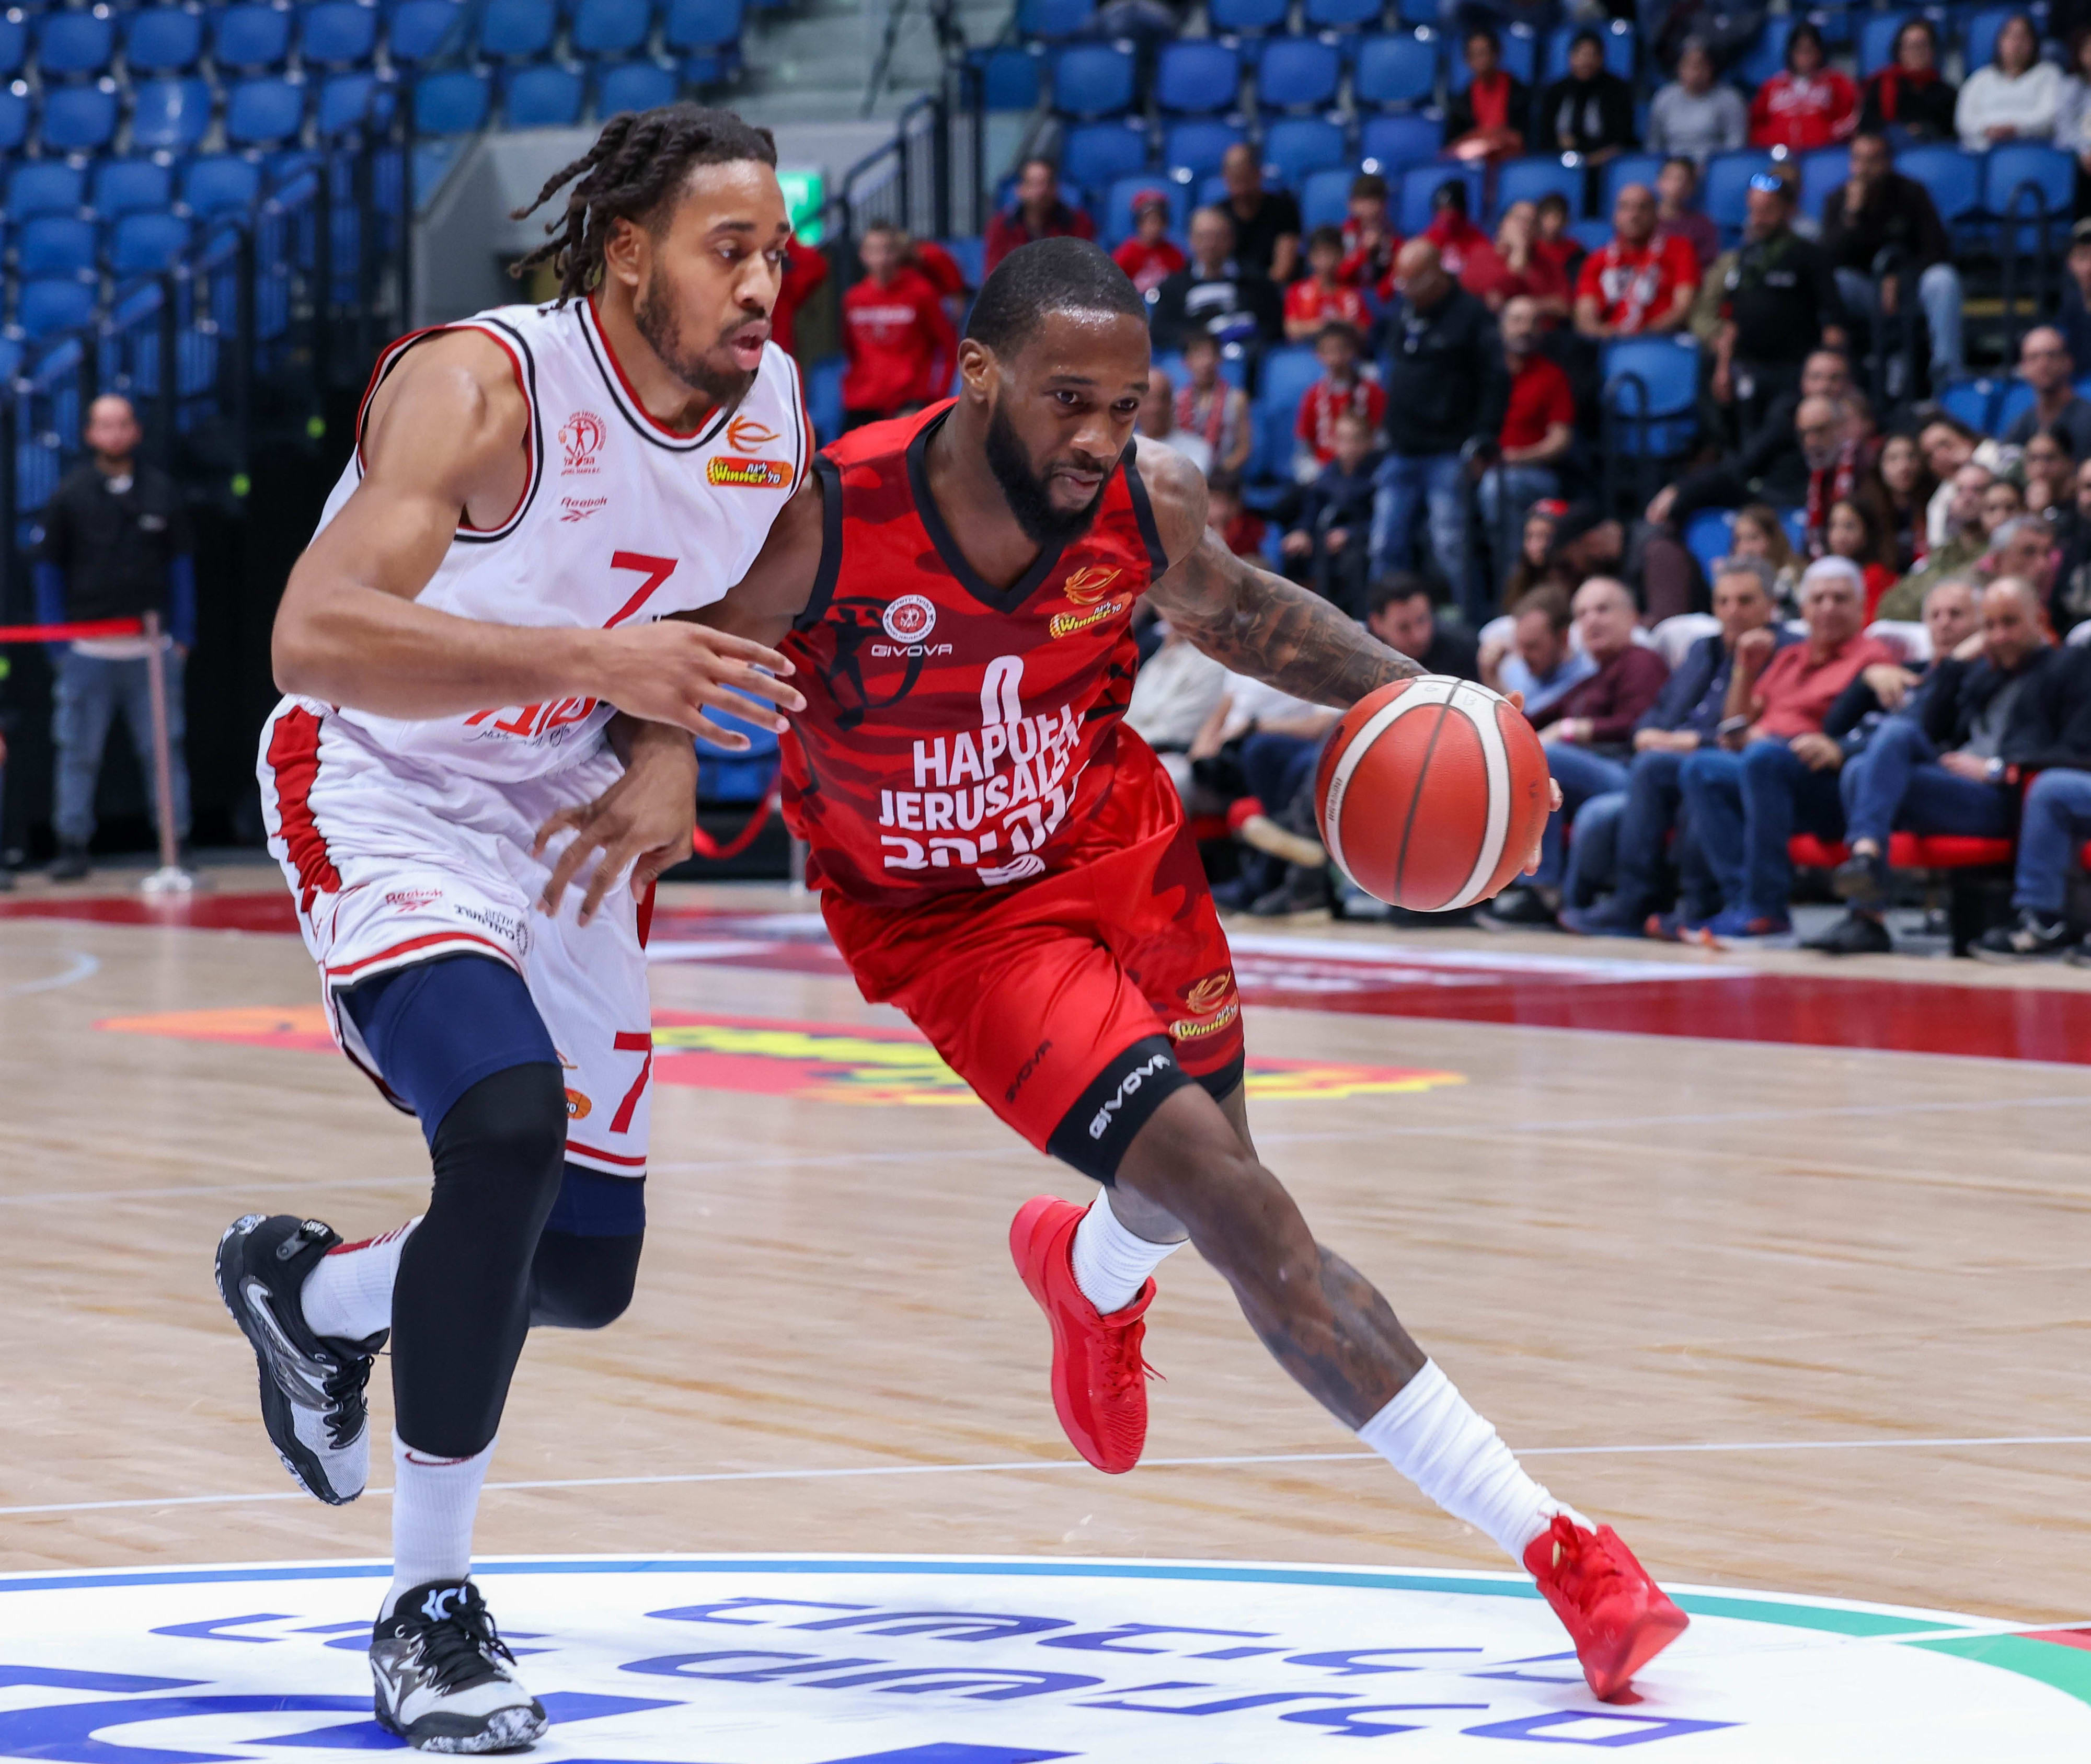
637, 163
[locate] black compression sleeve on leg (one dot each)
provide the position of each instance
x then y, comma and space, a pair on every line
460, 1305
582, 1283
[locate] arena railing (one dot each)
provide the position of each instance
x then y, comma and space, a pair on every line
928, 178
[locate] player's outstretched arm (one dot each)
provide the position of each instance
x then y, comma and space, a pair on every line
1255, 622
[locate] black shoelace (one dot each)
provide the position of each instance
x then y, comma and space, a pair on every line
458, 1648
346, 1409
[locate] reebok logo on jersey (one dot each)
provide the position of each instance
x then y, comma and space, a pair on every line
1086, 586
746, 474
580, 507
581, 437
744, 434
1067, 624
1128, 1086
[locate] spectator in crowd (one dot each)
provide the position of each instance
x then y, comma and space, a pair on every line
1329, 543
1552, 239
1344, 386
1642, 283
2072, 116
1820, 461
2070, 604
1537, 658
1487, 121
1462, 247
2025, 549
1902, 486
1878, 210
1401, 615
1853, 530
1939, 765
1522, 272
1209, 408
1810, 105
1173, 694
805, 269
1760, 536
1533, 566
1369, 239
1275, 740
1150, 256
1538, 426
2055, 813
1590, 110
1781, 305
2050, 474
1676, 215
116, 545
1772, 464
1589, 732
1266, 222
1773, 768
1157, 422
2016, 97
1908, 101
2045, 365
2074, 321
1216, 292
1447, 392
1968, 523
900, 343
1229, 519
941, 269
1637, 822
1037, 211
1696, 115
1947, 444
1321, 296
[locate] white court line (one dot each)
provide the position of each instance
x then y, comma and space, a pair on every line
82, 964
1077, 1464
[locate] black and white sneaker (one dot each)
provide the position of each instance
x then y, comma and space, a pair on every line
2034, 939
312, 1386
442, 1676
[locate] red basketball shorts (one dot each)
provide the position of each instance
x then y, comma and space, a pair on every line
1074, 1004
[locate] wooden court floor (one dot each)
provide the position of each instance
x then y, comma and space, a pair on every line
1653, 1260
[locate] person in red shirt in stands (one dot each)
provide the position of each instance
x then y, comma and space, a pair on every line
1523, 271
1641, 284
1810, 104
804, 271
1209, 407
1320, 297
941, 270
1342, 388
895, 333
1466, 251
1486, 122
1551, 239
1369, 239
1538, 428
1036, 212
1150, 256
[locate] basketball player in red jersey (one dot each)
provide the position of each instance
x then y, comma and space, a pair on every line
1002, 858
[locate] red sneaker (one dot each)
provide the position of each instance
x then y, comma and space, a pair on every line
1099, 1378
1618, 1618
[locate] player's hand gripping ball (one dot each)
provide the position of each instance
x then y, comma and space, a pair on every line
1432, 793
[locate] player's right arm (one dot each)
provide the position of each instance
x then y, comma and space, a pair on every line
444, 443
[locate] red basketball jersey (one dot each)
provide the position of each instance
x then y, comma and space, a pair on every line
956, 736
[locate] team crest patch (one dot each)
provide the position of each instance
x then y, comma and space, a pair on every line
909, 619
581, 437
746, 474
1086, 586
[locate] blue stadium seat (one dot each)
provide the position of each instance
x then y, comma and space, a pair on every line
1325, 197
1619, 38
161, 39
1388, 144
14, 44
638, 85
452, 103
1198, 147
79, 120
1197, 78
1093, 153
338, 33
53, 304
220, 183
1973, 402
603, 28
1418, 183
1298, 73
250, 38
45, 187
1249, 18
1053, 21
1093, 80
1876, 37
130, 186
706, 33
75, 43
422, 29
1820, 172
1766, 56
1710, 536
1344, 16
347, 99
1725, 193
13, 117
1009, 80
1628, 168
1285, 374
2013, 402
1527, 180
55, 245
1117, 215
1299, 145
517, 30
1591, 235
144, 244
1978, 41
1953, 177
1398, 71
2011, 165
824, 397
265, 111
543, 97
1651, 395
1520, 56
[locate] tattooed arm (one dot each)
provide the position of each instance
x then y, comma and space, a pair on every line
1249, 620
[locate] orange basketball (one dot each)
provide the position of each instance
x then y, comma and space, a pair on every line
1432, 793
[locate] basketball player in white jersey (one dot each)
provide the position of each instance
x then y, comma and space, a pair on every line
474, 642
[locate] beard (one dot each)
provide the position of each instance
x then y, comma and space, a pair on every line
662, 325
1027, 494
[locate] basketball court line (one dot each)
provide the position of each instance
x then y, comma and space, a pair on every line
82, 966
844, 1472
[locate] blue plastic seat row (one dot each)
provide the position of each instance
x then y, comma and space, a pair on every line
133, 244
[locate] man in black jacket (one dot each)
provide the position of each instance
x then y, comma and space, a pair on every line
1879, 210
2054, 815
1325, 548
1779, 304
1403, 618
1446, 387
1214, 293
1772, 466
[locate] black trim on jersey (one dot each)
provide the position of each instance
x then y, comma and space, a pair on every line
1143, 511
831, 545
623, 401
800, 438
473, 536
1220, 1085
1094, 1134
1005, 600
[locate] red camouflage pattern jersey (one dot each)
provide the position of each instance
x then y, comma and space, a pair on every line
954, 736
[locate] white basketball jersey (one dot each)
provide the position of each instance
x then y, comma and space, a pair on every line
623, 520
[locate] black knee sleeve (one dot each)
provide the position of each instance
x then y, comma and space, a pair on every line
582, 1283
460, 1306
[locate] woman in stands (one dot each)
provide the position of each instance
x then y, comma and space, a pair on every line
1909, 101
2016, 97
1903, 487
1534, 549
1810, 104
2072, 116
1591, 111
1521, 270
1854, 530
1760, 533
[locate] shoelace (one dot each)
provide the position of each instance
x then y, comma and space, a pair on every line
346, 1409
1587, 1570
461, 1647
1123, 1363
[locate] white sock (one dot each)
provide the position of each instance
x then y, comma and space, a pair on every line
434, 1501
1432, 1436
349, 1294
1111, 1263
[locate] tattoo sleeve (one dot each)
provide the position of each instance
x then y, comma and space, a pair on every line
1275, 630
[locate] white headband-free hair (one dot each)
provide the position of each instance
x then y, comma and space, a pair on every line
1843, 566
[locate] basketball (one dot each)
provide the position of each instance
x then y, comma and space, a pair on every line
1432, 793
